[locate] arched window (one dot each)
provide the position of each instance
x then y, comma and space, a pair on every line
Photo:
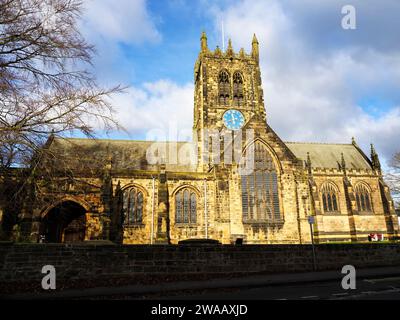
363, 198
237, 89
132, 206
224, 87
260, 194
185, 206
329, 198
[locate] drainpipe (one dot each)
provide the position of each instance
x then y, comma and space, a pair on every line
205, 208
152, 214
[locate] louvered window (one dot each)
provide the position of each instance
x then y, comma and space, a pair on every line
224, 88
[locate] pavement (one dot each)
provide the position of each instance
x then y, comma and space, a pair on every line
301, 281
373, 288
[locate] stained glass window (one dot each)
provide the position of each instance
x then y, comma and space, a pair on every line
260, 192
185, 206
363, 198
329, 198
132, 206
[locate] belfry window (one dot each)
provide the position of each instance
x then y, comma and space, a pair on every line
329, 198
237, 89
185, 206
132, 206
260, 193
224, 87
363, 198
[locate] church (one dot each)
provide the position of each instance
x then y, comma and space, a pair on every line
237, 180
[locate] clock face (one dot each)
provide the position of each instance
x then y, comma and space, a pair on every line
233, 119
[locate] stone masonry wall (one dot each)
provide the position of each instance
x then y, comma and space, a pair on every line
23, 262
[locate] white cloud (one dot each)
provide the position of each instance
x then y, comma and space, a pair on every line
311, 94
120, 21
107, 24
161, 108
312, 81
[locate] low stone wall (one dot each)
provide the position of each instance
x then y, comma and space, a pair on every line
23, 262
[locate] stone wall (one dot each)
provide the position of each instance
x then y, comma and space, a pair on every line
23, 262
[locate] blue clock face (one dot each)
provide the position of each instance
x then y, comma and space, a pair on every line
233, 119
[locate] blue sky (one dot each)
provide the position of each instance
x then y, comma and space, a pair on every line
321, 83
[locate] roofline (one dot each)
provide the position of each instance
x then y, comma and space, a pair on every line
117, 140
363, 154
320, 143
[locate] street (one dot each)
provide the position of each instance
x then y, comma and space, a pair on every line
367, 289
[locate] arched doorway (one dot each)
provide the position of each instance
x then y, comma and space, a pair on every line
65, 222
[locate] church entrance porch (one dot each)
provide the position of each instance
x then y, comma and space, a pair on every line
64, 223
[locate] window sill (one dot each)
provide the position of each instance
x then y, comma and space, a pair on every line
263, 222
185, 225
134, 225
336, 213
365, 213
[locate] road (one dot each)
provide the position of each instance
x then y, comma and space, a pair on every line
366, 289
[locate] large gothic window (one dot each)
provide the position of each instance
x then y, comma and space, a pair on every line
260, 194
224, 87
185, 206
329, 198
132, 206
237, 89
363, 198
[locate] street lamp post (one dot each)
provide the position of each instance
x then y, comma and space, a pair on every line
311, 222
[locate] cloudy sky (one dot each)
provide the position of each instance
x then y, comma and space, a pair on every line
321, 83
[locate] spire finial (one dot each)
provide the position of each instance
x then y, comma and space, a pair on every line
343, 163
254, 48
308, 163
203, 42
229, 51
241, 53
373, 152
376, 164
254, 38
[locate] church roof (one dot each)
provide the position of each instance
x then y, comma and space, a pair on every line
136, 155
124, 154
329, 155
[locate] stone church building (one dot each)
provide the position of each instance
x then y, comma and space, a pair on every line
236, 180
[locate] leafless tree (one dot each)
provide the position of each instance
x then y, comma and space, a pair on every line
46, 87
393, 177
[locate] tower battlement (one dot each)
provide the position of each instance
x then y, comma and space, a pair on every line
229, 53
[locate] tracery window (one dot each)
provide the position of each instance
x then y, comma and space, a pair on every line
185, 206
329, 198
237, 89
260, 194
224, 87
363, 198
132, 206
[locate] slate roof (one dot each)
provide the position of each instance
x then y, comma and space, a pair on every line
329, 155
125, 154
133, 154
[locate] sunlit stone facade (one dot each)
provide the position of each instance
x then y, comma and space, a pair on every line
137, 192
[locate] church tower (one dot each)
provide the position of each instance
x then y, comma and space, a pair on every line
228, 94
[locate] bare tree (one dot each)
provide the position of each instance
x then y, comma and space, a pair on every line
46, 87
393, 177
